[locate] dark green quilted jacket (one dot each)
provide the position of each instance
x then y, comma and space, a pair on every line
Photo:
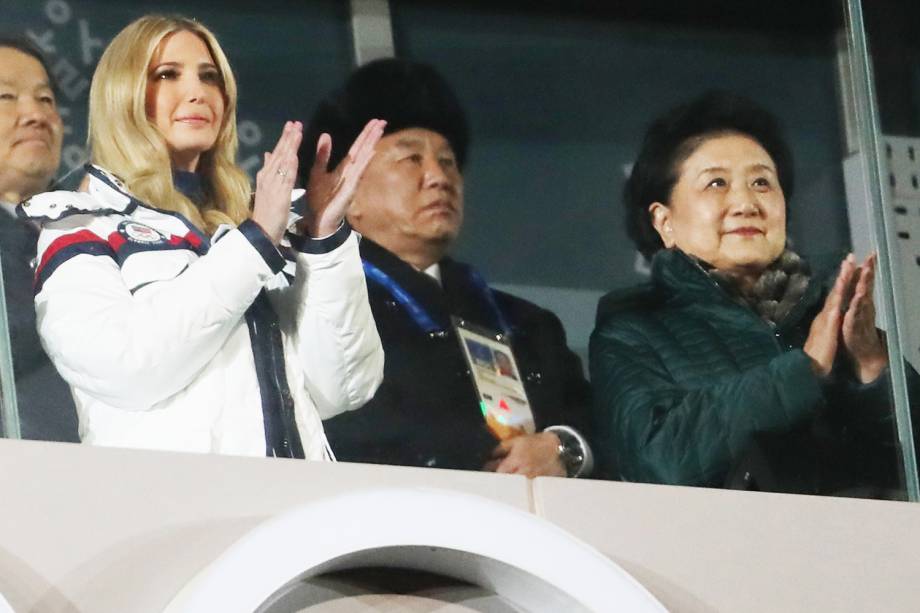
684, 377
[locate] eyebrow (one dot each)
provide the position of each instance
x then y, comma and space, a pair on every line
409, 142
177, 64
759, 166
41, 85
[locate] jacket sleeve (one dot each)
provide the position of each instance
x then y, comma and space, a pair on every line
326, 313
865, 412
575, 389
134, 350
571, 412
654, 429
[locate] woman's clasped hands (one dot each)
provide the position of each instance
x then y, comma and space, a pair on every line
847, 321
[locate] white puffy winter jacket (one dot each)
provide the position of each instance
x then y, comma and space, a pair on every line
166, 342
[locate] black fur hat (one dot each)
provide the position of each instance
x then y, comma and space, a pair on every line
406, 94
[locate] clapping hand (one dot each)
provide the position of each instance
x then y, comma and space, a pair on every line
275, 181
331, 192
848, 319
861, 339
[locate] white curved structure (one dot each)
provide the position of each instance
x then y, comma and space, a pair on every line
526, 560
5, 606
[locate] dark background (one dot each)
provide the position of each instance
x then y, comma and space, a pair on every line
558, 94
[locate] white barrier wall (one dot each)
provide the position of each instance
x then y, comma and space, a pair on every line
702, 550
102, 530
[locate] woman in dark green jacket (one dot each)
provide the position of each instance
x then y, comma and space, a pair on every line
734, 345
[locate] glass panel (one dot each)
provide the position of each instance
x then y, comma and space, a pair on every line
9, 411
559, 98
284, 56
886, 115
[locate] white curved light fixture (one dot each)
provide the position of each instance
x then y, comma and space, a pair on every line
527, 560
5, 606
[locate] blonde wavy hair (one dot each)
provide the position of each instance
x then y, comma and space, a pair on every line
124, 141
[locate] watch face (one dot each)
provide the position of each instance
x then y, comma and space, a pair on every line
572, 461
570, 452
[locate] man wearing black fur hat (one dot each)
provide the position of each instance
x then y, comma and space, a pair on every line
409, 208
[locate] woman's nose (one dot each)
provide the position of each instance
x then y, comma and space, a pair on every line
744, 201
196, 92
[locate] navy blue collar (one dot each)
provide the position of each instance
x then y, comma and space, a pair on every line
190, 185
110, 180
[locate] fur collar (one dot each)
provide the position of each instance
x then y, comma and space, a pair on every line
778, 289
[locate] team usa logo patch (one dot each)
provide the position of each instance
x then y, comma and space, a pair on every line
139, 233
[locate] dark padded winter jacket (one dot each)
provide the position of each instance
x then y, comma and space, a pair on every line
686, 379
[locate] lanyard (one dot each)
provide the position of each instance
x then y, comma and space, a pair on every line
417, 312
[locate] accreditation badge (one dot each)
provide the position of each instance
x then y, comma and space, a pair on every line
495, 373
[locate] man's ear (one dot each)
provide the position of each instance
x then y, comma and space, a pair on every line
355, 212
354, 215
661, 221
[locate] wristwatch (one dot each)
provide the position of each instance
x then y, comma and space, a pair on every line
571, 453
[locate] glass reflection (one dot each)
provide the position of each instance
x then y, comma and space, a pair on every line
739, 365
558, 98
887, 116
71, 35
31, 135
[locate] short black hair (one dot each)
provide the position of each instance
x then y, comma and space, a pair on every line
675, 135
406, 94
24, 45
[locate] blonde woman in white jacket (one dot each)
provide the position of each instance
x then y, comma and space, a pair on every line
182, 318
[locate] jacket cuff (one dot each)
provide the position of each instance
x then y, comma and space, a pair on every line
799, 388
306, 244
587, 462
261, 243
858, 387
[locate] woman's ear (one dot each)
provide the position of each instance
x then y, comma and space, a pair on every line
661, 221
